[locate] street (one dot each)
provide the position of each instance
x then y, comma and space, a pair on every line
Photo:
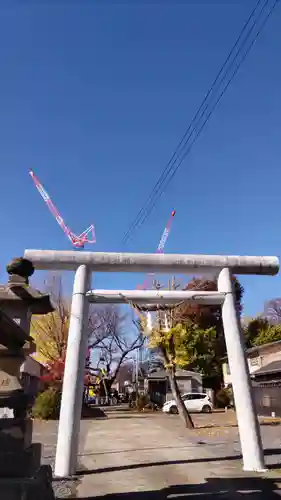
154, 456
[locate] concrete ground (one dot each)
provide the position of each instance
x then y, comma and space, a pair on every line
152, 456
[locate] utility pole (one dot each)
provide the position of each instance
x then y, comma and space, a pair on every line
157, 285
137, 375
172, 285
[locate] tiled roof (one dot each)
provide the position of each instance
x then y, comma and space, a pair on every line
273, 367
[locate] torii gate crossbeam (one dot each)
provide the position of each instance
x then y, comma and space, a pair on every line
154, 296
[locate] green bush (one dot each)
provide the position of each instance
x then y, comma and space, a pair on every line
223, 398
144, 403
47, 404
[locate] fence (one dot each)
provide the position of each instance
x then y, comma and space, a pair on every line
268, 398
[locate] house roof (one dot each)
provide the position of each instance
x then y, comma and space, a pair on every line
263, 347
36, 356
162, 374
31, 366
273, 367
259, 348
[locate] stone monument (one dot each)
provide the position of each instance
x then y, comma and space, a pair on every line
21, 473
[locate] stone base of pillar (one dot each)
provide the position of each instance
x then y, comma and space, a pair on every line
15, 434
20, 463
33, 488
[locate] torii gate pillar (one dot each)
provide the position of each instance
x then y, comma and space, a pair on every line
248, 424
73, 380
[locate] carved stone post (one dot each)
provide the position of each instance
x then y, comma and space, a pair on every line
19, 457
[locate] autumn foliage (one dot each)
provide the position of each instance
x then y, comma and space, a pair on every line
206, 316
55, 371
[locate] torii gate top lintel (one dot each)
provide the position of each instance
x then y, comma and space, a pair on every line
160, 263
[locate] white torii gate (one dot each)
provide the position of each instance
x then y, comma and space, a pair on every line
83, 263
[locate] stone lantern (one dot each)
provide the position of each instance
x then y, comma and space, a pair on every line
19, 457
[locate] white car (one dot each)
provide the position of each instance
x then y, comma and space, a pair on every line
194, 402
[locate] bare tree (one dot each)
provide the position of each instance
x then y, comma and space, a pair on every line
116, 336
104, 322
272, 311
50, 332
125, 373
112, 333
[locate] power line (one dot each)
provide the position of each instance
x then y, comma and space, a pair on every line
149, 210
171, 169
186, 134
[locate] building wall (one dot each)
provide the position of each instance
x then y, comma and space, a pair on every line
184, 385
270, 354
31, 372
267, 398
157, 391
253, 363
160, 391
256, 360
190, 384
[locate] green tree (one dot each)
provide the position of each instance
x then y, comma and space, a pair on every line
271, 334
253, 329
204, 318
259, 332
199, 348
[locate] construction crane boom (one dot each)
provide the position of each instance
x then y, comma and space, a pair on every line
160, 249
88, 236
166, 232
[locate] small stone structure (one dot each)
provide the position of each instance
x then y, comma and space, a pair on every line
21, 474
158, 386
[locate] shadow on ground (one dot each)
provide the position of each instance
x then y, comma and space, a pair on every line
233, 425
223, 488
86, 472
89, 412
133, 415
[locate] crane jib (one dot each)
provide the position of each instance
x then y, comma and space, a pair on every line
77, 241
163, 239
160, 249
43, 193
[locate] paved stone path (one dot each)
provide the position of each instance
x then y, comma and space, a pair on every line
146, 457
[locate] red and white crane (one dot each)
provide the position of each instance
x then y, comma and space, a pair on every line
160, 249
88, 236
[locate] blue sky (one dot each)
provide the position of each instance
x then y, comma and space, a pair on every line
95, 97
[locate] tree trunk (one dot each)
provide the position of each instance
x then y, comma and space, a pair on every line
185, 416
106, 391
